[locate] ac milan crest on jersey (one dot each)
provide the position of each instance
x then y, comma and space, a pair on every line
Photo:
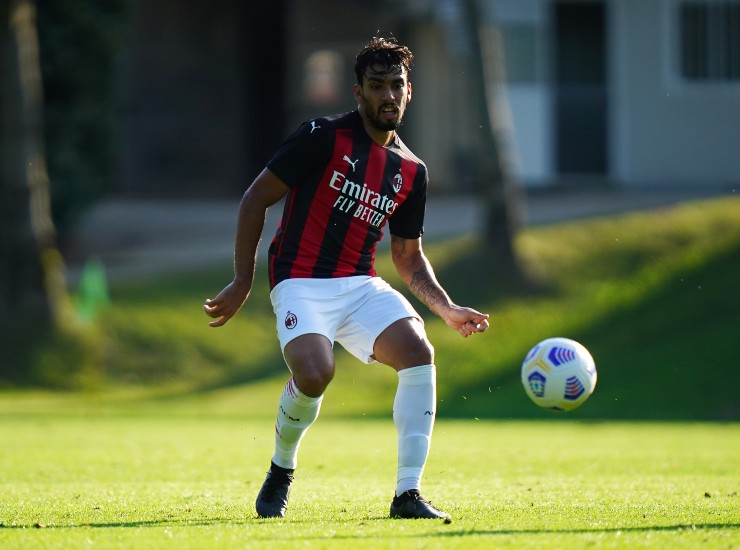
291, 320
398, 183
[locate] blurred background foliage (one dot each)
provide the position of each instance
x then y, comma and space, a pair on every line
79, 42
57, 106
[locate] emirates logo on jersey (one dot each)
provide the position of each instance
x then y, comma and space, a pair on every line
397, 182
291, 321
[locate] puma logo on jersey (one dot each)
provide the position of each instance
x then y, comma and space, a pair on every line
313, 126
350, 161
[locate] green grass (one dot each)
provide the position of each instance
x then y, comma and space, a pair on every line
140, 480
172, 449
651, 294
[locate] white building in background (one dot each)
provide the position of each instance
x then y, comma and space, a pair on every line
629, 92
674, 74
637, 92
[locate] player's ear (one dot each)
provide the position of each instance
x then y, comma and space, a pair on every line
357, 92
408, 92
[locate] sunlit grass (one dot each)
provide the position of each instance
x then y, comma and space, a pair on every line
122, 480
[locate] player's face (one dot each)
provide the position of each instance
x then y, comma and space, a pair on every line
383, 97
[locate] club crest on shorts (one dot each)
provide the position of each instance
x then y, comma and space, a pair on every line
290, 320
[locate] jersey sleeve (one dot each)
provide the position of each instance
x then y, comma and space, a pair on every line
308, 147
407, 221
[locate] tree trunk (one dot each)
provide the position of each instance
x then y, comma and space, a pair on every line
497, 161
33, 296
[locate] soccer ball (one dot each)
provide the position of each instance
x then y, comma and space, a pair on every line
558, 374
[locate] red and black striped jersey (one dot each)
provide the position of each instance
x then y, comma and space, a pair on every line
344, 187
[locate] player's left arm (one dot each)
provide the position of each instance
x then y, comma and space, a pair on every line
417, 273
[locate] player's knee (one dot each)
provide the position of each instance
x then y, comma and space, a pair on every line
311, 361
313, 379
403, 345
425, 353
418, 353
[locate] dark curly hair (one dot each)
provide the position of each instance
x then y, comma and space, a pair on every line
382, 55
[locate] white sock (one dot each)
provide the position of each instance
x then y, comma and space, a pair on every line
414, 410
295, 415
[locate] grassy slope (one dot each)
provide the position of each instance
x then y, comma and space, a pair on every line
652, 295
659, 314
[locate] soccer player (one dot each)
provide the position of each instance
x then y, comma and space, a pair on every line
344, 178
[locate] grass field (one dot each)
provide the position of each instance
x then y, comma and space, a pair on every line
187, 481
168, 445
651, 294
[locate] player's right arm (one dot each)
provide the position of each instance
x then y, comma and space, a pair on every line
416, 271
265, 191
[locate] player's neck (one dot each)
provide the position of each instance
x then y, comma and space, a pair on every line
381, 137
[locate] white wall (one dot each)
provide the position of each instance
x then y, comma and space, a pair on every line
665, 130
530, 102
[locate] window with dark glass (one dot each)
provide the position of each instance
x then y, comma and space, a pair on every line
710, 41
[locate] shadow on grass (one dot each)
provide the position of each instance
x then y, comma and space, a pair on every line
654, 356
205, 358
585, 531
499, 284
444, 530
668, 356
475, 277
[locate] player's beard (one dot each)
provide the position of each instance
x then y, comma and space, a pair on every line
376, 119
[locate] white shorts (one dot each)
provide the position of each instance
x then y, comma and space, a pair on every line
353, 311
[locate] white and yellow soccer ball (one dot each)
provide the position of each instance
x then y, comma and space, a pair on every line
559, 374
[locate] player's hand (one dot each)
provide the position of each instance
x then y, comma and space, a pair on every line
226, 304
466, 320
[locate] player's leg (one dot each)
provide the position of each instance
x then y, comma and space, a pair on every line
404, 346
311, 360
307, 312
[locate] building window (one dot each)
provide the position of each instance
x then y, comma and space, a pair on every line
710, 40
522, 53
